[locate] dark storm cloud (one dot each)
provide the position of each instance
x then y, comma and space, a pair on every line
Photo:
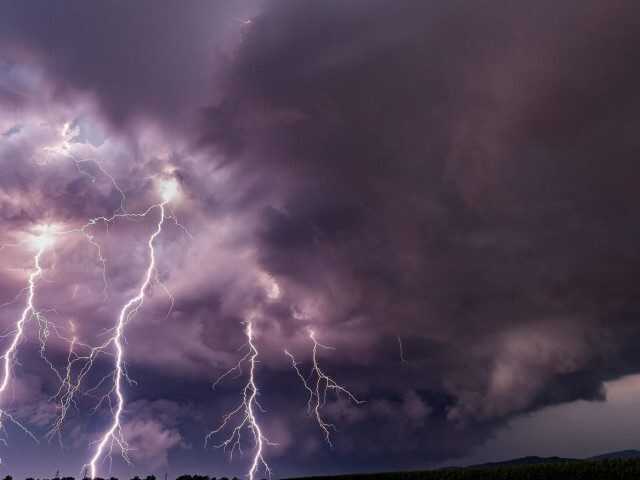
138, 59
458, 172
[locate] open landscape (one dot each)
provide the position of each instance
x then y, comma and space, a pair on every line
584, 470
623, 464
319, 239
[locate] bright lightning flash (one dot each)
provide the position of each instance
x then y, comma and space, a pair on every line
246, 412
40, 242
317, 384
169, 189
45, 236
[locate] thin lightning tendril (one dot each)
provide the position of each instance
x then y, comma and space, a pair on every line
317, 384
401, 350
245, 412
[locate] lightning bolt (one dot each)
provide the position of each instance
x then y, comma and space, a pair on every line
245, 412
41, 243
80, 364
114, 433
45, 238
317, 384
69, 387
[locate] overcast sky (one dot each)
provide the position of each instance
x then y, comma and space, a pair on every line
455, 178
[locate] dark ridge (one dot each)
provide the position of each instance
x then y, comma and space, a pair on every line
537, 468
619, 455
531, 460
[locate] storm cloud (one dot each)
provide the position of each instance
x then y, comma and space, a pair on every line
456, 176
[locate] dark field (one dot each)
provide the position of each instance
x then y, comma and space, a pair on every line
579, 470
561, 469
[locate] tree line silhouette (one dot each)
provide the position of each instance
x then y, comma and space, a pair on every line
570, 470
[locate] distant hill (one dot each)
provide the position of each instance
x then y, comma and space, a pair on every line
620, 455
603, 467
529, 461
621, 465
532, 460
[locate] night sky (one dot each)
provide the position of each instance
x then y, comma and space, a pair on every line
446, 192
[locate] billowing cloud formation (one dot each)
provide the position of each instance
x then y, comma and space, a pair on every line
459, 175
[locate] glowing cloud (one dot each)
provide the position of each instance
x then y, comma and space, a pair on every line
169, 189
44, 236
